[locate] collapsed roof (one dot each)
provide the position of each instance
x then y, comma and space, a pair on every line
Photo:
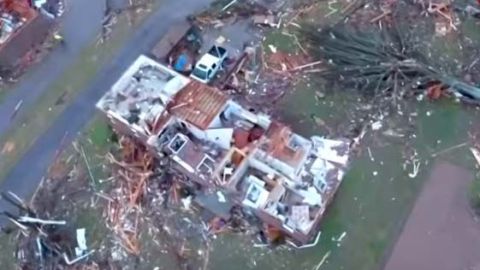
285, 179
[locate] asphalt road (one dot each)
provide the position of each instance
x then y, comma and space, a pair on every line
88, 14
26, 175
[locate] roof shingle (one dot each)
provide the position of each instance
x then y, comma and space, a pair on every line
198, 104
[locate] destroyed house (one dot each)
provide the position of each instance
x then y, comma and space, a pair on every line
22, 29
285, 183
283, 178
136, 103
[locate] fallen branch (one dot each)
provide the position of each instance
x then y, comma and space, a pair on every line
476, 154
229, 5
381, 16
295, 38
449, 149
92, 178
331, 9
323, 260
416, 168
207, 258
307, 65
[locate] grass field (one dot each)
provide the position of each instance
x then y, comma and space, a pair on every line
377, 195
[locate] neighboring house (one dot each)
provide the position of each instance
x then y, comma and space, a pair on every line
22, 29
281, 177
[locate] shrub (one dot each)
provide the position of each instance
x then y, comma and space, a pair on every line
475, 195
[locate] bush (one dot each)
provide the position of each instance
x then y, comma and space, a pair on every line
475, 195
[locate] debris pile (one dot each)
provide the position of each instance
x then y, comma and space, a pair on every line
145, 202
230, 10
124, 206
231, 156
132, 10
281, 62
45, 244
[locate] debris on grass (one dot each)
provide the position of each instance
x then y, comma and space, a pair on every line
8, 147
44, 243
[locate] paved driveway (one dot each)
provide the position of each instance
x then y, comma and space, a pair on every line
440, 233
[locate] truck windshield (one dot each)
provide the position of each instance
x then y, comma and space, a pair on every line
217, 51
200, 72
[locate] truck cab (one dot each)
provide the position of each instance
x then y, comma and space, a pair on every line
209, 64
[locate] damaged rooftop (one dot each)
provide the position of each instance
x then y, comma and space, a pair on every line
197, 126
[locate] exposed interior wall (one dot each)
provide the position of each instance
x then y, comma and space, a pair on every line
270, 165
182, 163
235, 109
196, 132
239, 174
216, 122
221, 137
260, 165
172, 87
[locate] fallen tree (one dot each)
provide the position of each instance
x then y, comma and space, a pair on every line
382, 62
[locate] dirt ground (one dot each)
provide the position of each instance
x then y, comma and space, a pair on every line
441, 232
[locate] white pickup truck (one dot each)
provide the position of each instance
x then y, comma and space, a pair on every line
209, 64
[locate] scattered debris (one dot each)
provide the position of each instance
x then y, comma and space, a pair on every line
8, 147
268, 20
323, 260
182, 140
376, 125
229, 5
286, 62
45, 242
415, 169
476, 154
449, 149
331, 9
381, 16
16, 109
272, 48
339, 239
131, 11
370, 154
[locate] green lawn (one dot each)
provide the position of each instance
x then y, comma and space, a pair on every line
370, 207
377, 196
7, 256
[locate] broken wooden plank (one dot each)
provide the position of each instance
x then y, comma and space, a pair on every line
476, 154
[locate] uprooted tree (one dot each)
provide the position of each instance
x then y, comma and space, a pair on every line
381, 62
